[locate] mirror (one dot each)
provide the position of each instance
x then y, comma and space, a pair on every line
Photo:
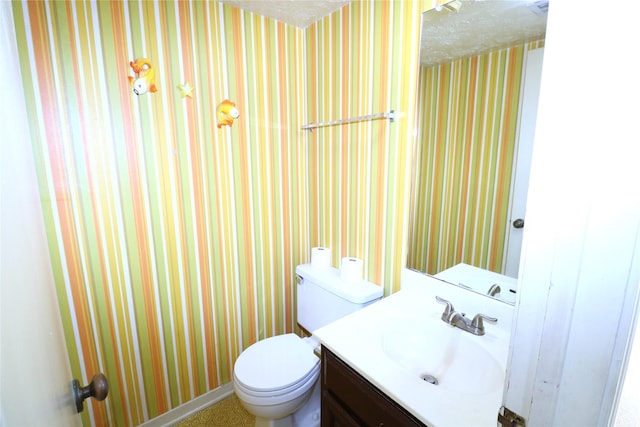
477, 102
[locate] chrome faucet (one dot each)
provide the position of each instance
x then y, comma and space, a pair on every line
494, 289
459, 320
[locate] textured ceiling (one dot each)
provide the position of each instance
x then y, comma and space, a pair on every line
300, 13
478, 26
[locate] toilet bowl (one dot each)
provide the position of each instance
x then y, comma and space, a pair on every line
277, 379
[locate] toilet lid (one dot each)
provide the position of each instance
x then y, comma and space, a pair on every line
275, 363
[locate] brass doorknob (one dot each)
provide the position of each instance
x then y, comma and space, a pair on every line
98, 388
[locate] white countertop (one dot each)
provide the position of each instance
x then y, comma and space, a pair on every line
356, 339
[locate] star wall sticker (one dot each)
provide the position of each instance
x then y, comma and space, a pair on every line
186, 89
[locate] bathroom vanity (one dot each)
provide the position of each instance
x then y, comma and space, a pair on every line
398, 360
348, 399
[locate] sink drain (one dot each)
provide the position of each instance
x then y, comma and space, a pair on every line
429, 378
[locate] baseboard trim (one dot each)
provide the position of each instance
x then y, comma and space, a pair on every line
191, 407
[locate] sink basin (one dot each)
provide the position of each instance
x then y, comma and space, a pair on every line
401, 339
441, 355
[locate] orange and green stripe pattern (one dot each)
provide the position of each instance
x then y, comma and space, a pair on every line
174, 243
363, 61
467, 133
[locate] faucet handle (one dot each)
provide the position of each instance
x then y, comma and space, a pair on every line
494, 290
448, 311
479, 325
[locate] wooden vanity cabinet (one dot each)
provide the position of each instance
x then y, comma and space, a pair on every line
349, 400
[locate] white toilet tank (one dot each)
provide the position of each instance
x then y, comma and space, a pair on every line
323, 297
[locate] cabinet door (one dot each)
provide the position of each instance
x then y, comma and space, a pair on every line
333, 414
348, 399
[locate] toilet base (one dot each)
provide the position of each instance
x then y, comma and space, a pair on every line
282, 422
307, 416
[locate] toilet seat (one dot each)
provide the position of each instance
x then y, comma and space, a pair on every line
292, 389
276, 397
276, 366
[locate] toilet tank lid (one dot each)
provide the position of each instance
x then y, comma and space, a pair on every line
329, 278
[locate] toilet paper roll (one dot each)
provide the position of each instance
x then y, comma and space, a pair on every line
320, 257
351, 270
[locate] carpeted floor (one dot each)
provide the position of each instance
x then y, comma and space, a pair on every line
226, 413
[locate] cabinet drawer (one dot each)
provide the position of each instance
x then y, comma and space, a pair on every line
356, 396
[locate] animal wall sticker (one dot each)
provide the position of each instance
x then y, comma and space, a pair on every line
226, 113
144, 80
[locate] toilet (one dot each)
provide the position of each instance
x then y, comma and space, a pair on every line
276, 379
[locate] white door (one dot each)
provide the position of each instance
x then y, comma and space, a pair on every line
35, 375
580, 266
528, 113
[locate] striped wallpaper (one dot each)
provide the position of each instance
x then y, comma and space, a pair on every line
467, 131
173, 242
363, 61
